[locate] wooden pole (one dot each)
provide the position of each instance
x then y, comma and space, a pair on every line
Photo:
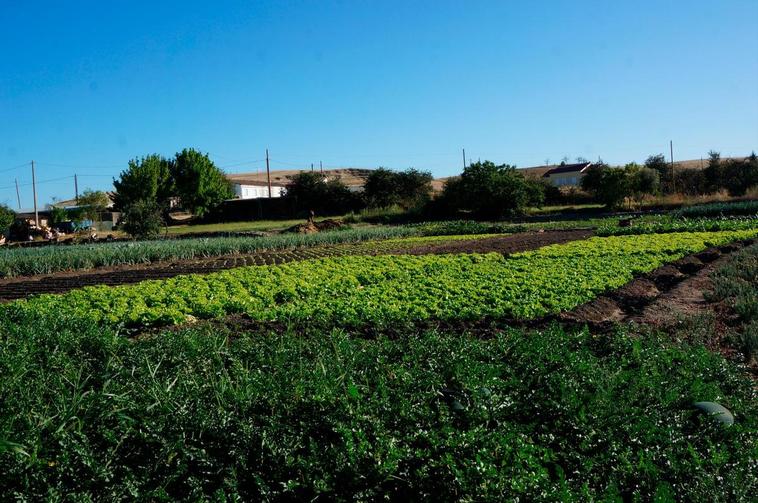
321, 167
18, 194
34, 191
76, 189
268, 175
464, 158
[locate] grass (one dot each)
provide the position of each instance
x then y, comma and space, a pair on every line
228, 413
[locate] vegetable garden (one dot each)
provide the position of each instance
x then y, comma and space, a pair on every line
321, 378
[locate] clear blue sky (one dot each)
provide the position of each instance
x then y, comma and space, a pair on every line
85, 86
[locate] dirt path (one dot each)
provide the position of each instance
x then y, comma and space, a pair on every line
21, 287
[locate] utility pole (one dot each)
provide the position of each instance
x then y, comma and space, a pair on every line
321, 167
18, 195
311, 167
268, 175
76, 189
464, 158
673, 179
34, 191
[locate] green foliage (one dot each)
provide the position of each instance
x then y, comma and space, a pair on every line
142, 219
200, 185
658, 164
44, 260
740, 175
736, 285
486, 190
146, 179
311, 191
355, 291
7, 216
92, 203
718, 209
228, 413
58, 215
407, 189
667, 224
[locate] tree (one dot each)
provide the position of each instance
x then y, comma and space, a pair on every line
487, 190
609, 186
142, 219
315, 192
200, 185
7, 216
737, 176
713, 172
58, 215
642, 180
145, 179
92, 203
659, 164
409, 188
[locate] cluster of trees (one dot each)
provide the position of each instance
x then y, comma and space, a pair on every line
484, 190
736, 176
149, 186
409, 189
612, 186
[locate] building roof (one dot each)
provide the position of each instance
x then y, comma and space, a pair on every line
568, 168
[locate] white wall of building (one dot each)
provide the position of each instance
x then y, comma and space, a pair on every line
242, 191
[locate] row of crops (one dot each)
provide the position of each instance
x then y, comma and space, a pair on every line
352, 291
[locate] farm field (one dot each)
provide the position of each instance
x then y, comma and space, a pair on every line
418, 362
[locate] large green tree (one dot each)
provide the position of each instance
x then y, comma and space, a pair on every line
409, 188
487, 190
146, 179
200, 185
92, 203
310, 191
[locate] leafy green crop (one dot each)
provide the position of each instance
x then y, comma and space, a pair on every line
719, 209
667, 224
382, 290
228, 414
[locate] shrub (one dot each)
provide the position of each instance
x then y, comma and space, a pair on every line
311, 191
7, 216
488, 191
142, 219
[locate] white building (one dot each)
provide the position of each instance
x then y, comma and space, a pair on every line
251, 189
567, 175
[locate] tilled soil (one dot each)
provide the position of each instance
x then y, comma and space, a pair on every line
513, 243
21, 287
661, 298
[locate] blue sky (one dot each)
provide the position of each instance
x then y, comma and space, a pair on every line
85, 86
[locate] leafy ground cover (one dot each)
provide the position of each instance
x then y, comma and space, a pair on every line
225, 413
719, 209
383, 290
664, 224
736, 284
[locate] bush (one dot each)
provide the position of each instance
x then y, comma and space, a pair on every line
407, 189
311, 191
142, 219
7, 216
488, 191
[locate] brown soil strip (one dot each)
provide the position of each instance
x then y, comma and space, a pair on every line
21, 287
513, 243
